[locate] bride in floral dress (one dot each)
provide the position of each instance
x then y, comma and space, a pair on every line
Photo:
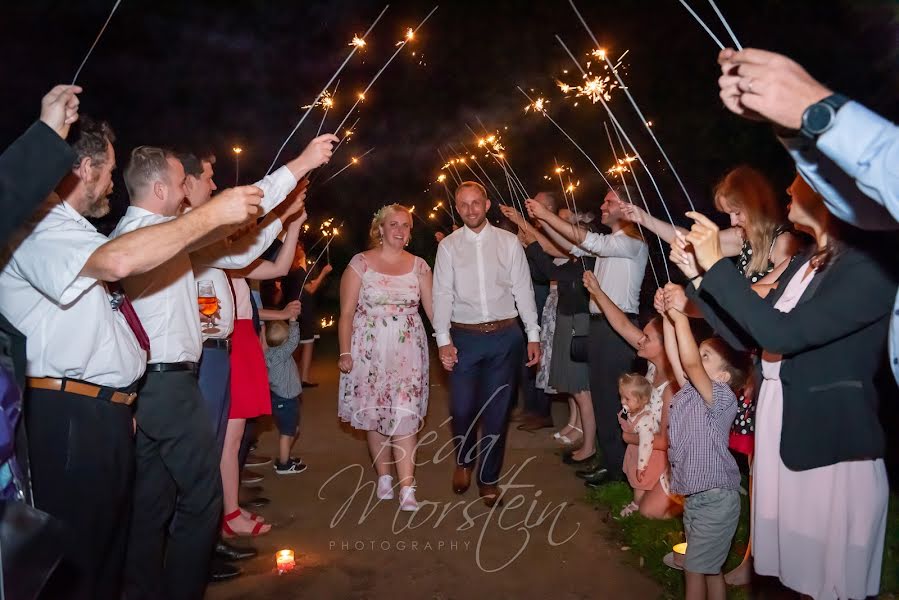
384, 350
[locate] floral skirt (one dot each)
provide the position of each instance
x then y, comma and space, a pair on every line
387, 389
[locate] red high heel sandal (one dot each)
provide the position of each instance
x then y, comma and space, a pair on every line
229, 533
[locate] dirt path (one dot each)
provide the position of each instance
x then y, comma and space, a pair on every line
545, 543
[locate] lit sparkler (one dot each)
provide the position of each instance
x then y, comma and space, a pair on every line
355, 47
353, 161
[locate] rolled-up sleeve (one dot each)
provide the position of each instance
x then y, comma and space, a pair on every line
596, 244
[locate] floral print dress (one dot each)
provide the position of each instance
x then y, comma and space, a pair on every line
387, 389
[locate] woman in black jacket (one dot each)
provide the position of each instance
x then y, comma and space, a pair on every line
820, 487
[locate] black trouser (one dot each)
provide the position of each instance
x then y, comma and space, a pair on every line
608, 355
82, 465
177, 459
536, 401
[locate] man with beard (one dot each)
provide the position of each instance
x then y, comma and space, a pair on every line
85, 353
481, 286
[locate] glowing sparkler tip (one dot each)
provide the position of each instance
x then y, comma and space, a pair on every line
599, 53
355, 160
440, 179
357, 41
361, 96
409, 33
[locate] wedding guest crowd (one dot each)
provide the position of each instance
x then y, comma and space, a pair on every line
142, 357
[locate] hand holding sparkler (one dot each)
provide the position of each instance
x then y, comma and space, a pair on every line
513, 215
59, 108
526, 236
675, 297
235, 206
535, 209
292, 310
316, 154
295, 204
760, 85
683, 257
633, 213
591, 283
705, 240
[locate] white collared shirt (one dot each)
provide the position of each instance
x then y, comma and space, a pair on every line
619, 269
71, 327
480, 278
165, 298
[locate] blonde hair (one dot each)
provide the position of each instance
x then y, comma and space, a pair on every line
637, 384
467, 185
276, 333
749, 190
374, 232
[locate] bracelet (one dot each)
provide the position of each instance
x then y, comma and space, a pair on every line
695, 277
344, 354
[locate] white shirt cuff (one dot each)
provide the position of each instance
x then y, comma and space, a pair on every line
443, 339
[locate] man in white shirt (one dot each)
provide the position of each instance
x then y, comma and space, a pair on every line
175, 449
482, 284
619, 268
214, 371
84, 358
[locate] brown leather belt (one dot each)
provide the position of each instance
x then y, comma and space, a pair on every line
80, 388
486, 327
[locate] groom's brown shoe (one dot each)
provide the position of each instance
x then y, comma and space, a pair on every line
461, 479
490, 494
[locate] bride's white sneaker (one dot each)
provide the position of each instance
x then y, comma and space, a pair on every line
408, 502
385, 487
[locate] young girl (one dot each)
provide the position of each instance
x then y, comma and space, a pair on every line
702, 467
643, 464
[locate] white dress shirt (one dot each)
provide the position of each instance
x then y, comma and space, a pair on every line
480, 278
165, 298
71, 327
619, 269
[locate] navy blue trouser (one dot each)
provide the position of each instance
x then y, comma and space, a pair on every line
214, 378
483, 384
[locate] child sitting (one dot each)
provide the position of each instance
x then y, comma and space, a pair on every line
643, 465
281, 340
702, 467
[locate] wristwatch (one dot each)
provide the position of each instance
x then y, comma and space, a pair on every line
819, 117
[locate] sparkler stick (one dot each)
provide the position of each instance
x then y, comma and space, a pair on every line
704, 26
447, 167
726, 25
631, 201
409, 35
623, 133
574, 226
315, 262
477, 164
455, 169
327, 102
353, 161
570, 139
348, 134
481, 181
493, 185
357, 43
627, 92
97, 39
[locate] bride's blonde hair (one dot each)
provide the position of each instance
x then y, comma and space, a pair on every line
374, 232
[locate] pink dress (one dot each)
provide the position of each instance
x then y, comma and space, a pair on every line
643, 455
820, 531
387, 389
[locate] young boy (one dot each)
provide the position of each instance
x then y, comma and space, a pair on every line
702, 468
287, 393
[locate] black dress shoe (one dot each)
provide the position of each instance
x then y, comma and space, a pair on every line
569, 459
226, 551
257, 502
222, 571
601, 477
589, 471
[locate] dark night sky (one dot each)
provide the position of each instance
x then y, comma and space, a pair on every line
205, 74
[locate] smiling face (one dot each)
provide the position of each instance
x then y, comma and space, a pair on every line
738, 217
396, 229
611, 209
472, 206
651, 346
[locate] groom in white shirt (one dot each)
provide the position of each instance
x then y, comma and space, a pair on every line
482, 284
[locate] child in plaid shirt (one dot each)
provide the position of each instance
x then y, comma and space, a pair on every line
702, 468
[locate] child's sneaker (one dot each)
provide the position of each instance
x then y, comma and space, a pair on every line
408, 503
291, 467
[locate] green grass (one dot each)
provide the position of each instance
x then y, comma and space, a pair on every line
651, 540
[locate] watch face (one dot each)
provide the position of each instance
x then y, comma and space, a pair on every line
818, 117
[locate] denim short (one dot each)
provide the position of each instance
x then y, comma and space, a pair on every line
710, 521
286, 413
